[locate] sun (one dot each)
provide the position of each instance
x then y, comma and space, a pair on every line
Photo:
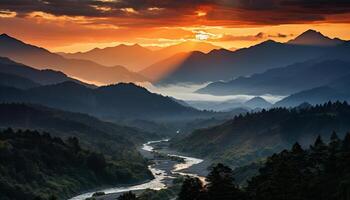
202, 36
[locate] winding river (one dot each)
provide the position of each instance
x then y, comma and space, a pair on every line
160, 175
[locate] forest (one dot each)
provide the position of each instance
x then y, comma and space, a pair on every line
38, 166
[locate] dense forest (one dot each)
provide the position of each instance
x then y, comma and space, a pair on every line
319, 173
39, 166
253, 136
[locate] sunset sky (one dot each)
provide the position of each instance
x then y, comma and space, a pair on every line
80, 25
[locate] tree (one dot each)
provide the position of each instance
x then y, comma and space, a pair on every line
127, 196
221, 184
191, 189
335, 143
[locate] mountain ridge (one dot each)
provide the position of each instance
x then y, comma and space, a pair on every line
41, 58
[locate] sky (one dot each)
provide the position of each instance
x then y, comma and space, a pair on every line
80, 25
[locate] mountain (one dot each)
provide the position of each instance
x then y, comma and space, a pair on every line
315, 38
39, 166
121, 101
136, 57
39, 77
257, 102
165, 67
284, 80
336, 90
41, 58
253, 136
93, 133
223, 64
10, 80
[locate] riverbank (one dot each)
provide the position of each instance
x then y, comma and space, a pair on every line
163, 168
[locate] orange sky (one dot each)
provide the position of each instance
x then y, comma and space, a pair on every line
70, 26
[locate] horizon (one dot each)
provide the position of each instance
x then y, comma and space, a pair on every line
68, 26
159, 47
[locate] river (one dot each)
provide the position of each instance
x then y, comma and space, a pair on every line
160, 174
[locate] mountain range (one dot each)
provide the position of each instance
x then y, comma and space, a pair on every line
336, 90
19, 73
136, 57
107, 102
41, 58
283, 81
198, 67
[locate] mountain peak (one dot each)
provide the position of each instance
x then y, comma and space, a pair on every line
314, 38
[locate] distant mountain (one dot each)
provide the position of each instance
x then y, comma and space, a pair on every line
41, 58
10, 80
37, 77
136, 57
223, 64
257, 102
254, 136
336, 90
159, 70
283, 81
109, 102
315, 38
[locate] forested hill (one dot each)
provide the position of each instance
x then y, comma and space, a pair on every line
257, 135
29, 171
320, 173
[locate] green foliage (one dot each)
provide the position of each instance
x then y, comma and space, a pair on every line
320, 173
191, 189
254, 136
39, 166
127, 196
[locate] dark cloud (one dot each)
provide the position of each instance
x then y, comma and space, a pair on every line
226, 12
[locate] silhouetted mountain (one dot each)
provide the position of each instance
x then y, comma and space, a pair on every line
225, 65
10, 80
257, 102
283, 81
136, 57
256, 135
43, 77
41, 58
110, 102
91, 131
314, 38
336, 90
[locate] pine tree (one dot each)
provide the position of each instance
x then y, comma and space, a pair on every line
191, 189
221, 184
127, 196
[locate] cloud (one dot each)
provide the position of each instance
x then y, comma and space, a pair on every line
183, 12
256, 37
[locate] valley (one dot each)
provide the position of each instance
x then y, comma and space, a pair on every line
174, 100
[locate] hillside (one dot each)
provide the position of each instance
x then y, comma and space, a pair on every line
10, 80
121, 101
106, 137
283, 81
30, 171
222, 64
319, 172
336, 90
42, 77
125, 55
256, 135
41, 58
